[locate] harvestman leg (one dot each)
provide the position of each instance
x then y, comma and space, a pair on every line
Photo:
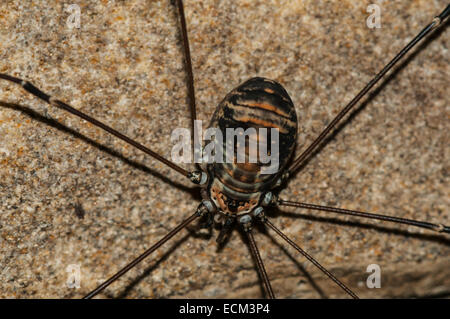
190, 75
66, 107
436, 227
309, 257
437, 21
200, 211
258, 260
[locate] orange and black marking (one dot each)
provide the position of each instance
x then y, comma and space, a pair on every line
256, 103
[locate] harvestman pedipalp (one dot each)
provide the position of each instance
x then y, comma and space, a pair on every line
196, 176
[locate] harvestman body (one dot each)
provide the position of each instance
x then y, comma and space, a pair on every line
238, 193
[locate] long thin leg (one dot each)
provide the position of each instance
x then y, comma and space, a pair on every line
422, 34
190, 75
120, 273
435, 227
63, 106
259, 263
311, 259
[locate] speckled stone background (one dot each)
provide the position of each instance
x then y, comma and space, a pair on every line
124, 66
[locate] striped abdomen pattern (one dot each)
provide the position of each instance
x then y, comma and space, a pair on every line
256, 103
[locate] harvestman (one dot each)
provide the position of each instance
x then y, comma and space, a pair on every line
269, 199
